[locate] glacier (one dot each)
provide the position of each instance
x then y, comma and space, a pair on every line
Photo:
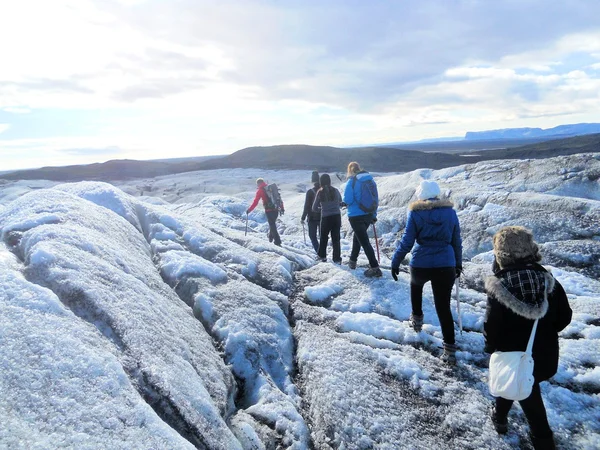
153, 314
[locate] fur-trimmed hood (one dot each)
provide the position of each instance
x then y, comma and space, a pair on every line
523, 291
422, 205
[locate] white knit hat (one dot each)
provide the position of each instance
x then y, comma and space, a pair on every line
428, 189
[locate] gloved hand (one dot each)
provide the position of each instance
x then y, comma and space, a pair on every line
374, 220
395, 272
343, 205
302, 221
247, 211
281, 212
458, 270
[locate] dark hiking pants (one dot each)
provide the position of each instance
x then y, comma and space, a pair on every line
442, 280
360, 226
534, 410
331, 224
313, 229
273, 234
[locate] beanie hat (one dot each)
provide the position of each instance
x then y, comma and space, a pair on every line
515, 244
325, 180
315, 177
259, 181
428, 189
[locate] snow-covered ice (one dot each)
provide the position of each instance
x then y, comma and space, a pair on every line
152, 314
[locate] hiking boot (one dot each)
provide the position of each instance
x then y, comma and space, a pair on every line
416, 322
351, 264
500, 424
546, 443
270, 237
373, 272
319, 259
338, 262
449, 355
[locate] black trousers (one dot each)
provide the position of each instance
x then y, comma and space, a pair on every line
360, 225
273, 234
442, 280
534, 409
313, 229
331, 224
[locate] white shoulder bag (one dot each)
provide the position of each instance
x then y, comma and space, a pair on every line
511, 373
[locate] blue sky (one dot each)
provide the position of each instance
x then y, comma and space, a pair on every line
91, 80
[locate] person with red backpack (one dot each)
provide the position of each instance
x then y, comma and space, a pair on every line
272, 210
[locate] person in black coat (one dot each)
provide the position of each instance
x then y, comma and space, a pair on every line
314, 217
519, 292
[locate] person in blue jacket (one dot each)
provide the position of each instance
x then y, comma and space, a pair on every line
437, 257
359, 219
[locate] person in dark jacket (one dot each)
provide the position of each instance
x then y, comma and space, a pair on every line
519, 292
437, 257
359, 220
314, 217
271, 210
328, 201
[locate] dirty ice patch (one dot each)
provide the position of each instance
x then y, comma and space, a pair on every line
174, 265
318, 294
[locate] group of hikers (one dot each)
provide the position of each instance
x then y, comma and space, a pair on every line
520, 293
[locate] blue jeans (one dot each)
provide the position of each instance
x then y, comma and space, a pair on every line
313, 229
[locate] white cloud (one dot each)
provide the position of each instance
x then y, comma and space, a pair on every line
4, 127
225, 75
16, 110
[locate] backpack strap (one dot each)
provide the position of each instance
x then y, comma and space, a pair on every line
531, 338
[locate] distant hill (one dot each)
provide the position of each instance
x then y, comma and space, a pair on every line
378, 159
390, 159
307, 157
110, 170
576, 129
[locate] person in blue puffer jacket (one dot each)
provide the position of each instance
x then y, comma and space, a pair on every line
359, 219
436, 257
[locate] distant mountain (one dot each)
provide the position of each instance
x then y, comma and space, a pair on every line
307, 157
577, 129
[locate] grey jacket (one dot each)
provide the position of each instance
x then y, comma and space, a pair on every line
328, 208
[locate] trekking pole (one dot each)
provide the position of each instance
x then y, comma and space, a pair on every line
304, 232
457, 286
246, 232
376, 241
